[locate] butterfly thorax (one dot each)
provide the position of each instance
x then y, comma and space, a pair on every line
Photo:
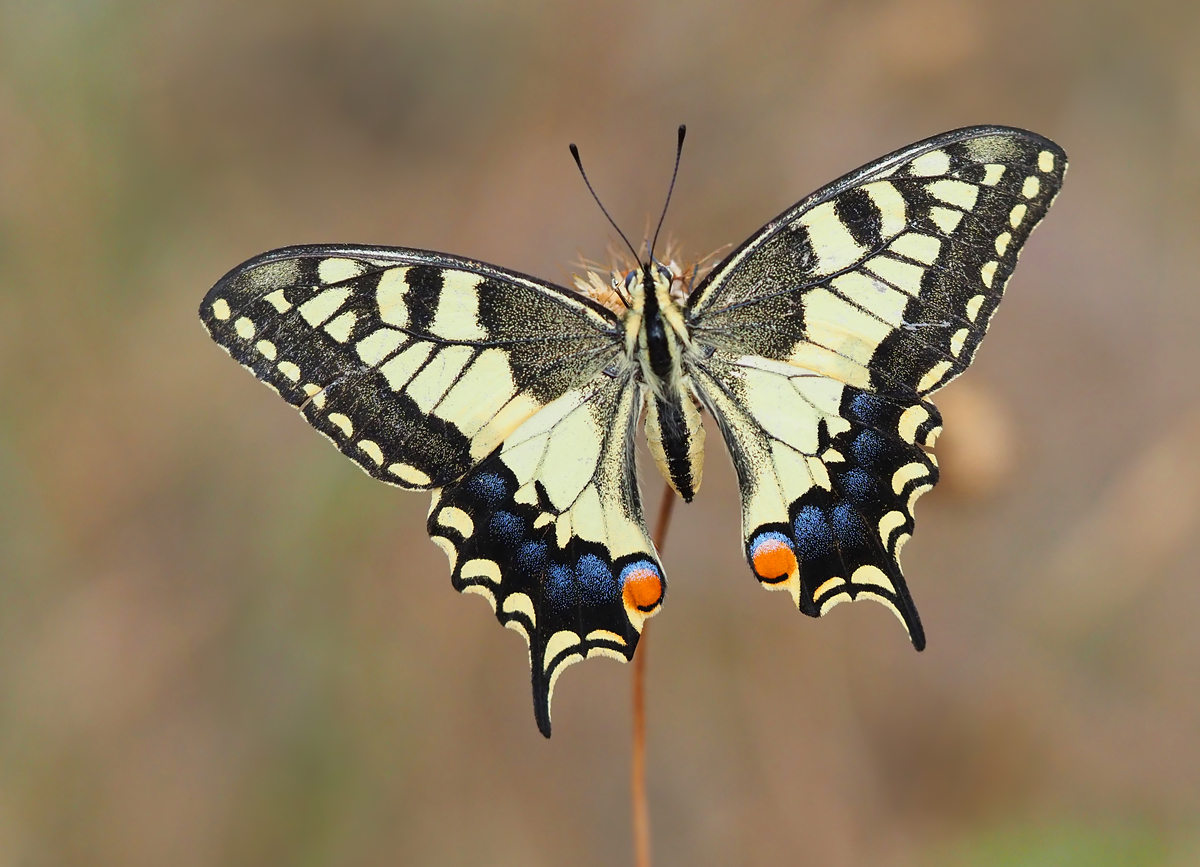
658, 339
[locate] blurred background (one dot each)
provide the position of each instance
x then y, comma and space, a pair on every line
222, 644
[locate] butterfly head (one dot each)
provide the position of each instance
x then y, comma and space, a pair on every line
647, 277
668, 280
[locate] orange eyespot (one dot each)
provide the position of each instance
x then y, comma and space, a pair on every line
642, 586
773, 558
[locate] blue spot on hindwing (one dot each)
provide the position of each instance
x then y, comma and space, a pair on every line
859, 485
507, 529
769, 536
849, 526
814, 536
532, 558
596, 580
870, 409
869, 449
636, 566
589, 582
488, 487
561, 587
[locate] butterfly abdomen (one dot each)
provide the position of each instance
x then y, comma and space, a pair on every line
676, 439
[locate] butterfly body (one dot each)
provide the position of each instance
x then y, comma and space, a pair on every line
673, 428
814, 346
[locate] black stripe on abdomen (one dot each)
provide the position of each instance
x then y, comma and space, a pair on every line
676, 446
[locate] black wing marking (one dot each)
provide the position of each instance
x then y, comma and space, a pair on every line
415, 364
549, 530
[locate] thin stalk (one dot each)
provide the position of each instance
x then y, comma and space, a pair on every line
641, 811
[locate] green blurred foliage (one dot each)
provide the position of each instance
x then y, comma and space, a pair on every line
1068, 845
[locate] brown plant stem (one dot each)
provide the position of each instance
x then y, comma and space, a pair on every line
641, 811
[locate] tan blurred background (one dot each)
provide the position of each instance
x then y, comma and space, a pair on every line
222, 644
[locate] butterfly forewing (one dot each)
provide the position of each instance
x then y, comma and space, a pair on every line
887, 279
820, 337
416, 365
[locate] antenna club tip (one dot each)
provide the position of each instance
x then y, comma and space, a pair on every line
574, 151
682, 132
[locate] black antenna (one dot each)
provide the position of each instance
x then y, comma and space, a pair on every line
671, 189
612, 222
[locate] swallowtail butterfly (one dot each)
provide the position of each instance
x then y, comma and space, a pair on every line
814, 346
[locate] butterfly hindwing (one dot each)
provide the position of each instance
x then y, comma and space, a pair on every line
549, 530
828, 476
820, 338
415, 364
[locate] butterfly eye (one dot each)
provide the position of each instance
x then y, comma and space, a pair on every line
665, 273
630, 279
